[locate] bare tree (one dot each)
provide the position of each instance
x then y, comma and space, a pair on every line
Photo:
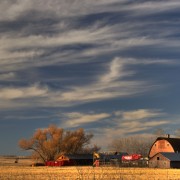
159, 132
177, 133
49, 143
133, 144
91, 149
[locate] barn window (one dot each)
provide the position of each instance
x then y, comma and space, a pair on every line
167, 144
158, 158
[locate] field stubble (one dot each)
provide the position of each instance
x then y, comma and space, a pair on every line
86, 173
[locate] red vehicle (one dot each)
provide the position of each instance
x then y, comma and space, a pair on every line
131, 157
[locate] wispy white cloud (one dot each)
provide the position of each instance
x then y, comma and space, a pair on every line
7, 76
121, 123
143, 122
76, 119
105, 86
10, 10
107, 135
109, 84
153, 6
22, 52
139, 114
22, 93
139, 120
137, 126
115, 72
65, 8
62, 8
19, 51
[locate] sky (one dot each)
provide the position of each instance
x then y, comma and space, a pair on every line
109, 66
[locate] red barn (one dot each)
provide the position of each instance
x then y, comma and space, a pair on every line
165, 144
165, 153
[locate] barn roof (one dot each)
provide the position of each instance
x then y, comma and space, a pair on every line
175, 142
79, 156
171, 156
113, 156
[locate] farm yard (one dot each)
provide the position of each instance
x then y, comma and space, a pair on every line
23, 170
86, 172
20, 168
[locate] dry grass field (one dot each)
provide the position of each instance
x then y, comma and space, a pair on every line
23, 171
86, 173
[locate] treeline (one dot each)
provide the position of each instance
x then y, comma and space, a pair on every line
140, 144
133, 144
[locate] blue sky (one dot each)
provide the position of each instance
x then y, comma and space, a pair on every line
108, 66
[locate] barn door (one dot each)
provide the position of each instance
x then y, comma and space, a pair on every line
158, 162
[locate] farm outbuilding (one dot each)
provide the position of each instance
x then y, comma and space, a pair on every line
77, 159
165, 160
72, 159
87, 159
112, 159
165, 144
